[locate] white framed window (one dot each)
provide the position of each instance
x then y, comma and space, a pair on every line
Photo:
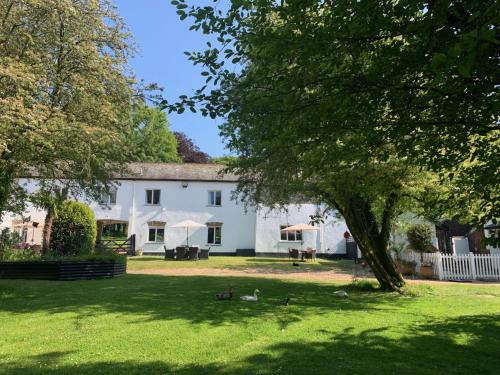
153, 197
215, 198
156, 234
290, 235
214, 235
108, 198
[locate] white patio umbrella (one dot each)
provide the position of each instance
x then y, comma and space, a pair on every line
302, 228
188, 224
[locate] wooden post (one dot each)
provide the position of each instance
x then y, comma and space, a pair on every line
100, 226
132, 245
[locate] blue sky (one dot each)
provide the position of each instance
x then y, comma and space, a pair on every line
162, 39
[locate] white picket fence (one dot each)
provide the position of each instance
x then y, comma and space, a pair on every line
460, 267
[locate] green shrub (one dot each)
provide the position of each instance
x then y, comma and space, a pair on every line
8, 240
28, 254
74, 230
99, 255
105, 255
420, 239
20, 254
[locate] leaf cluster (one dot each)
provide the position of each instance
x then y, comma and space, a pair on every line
74, 229
344, 87
65, 93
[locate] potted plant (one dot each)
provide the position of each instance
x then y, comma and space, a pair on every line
420, 240
426, 270
406, 267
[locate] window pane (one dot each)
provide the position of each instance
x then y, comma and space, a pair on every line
210, 235
211, 198
218, 199
112, 197
283, 234
160, 235
156, 196
152, 235
298, 235
104, 199
149, 196
218, 235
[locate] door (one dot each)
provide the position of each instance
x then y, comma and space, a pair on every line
460, 245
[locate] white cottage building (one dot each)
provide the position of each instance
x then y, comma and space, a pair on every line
153, 197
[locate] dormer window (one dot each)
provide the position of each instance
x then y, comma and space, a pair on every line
215, 198
108, 198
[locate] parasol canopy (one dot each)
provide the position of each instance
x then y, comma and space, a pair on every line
188, 224
302, 227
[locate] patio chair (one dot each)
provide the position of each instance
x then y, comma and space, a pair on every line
181, 252
169, 253
203, 253
294, 253
193, 252
310, 254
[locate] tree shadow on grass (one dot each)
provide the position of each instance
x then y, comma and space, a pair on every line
465, 345
285, 265
147, 259
274, 265
188, 298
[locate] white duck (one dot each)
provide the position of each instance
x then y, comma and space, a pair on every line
251, 298
341, 294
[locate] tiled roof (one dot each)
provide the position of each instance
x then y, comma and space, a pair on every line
176, 172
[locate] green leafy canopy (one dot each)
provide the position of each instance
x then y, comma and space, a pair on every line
65, 94
419, 76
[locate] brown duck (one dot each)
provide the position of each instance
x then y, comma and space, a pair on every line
224, 295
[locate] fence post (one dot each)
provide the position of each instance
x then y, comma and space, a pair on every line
440, 266
472, 265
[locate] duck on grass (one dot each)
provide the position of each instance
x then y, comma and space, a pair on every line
253, 298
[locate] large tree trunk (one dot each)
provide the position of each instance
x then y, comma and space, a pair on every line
47, 230
378, 258
373, 241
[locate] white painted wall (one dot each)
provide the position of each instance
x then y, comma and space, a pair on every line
31, 215
328, 239
240, 230
176, 204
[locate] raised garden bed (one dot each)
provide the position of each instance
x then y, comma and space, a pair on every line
62, 270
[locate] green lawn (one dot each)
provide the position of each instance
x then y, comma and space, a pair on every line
241, 263
142, 324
